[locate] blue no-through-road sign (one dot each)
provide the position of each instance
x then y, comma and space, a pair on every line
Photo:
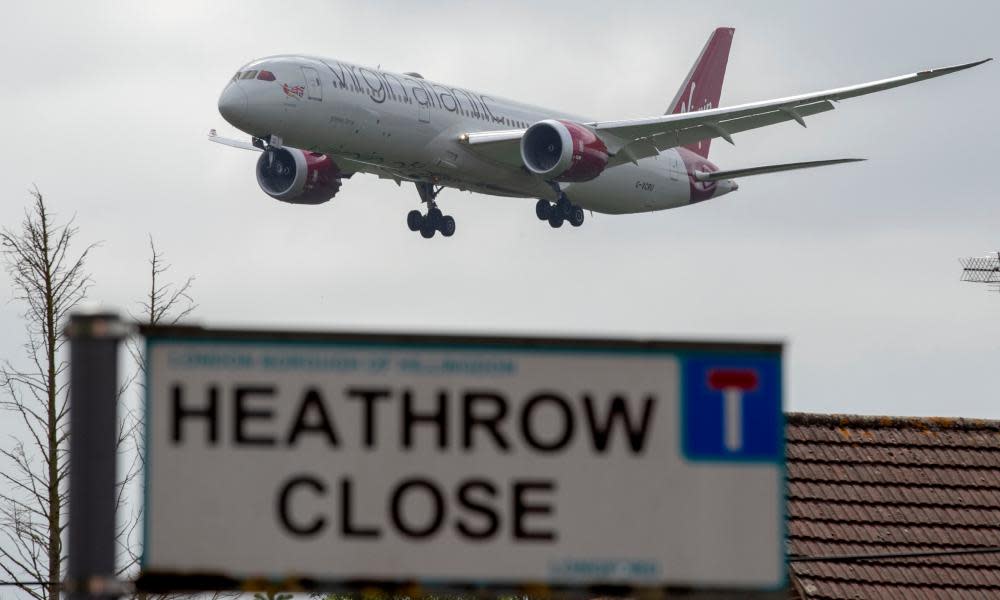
731, 408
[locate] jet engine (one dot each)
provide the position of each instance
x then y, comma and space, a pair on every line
563, 151
298, 177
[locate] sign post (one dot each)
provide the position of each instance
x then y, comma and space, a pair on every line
93, 394
346, 461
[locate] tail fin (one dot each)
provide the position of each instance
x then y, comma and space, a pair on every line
703, 86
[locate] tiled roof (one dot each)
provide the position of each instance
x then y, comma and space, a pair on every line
889, 485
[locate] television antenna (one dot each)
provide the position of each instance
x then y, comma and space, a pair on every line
982, 269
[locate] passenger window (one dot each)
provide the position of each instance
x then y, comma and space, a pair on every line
265, 76
248, 75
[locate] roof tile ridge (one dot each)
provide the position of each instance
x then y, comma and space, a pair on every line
928, 563
906, 524
891, 422
916, 547
869, 442
906, 584
886, 463
892, 484
931, 486
811, 500
887, 543
901, 504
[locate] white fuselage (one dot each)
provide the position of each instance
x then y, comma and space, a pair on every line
368, 118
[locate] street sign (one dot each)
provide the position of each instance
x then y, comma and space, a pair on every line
346, 460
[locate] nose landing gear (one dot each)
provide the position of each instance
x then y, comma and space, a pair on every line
556, 214
434, 221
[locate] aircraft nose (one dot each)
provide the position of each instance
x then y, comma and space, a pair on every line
233, 103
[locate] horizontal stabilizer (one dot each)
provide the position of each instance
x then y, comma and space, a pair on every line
733, 174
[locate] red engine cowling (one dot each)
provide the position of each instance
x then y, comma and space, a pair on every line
563, 151
298, 177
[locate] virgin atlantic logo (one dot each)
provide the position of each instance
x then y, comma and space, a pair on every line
687, 105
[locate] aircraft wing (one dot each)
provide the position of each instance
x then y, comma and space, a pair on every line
214, 137
632, 139
499, 146
354, 165
679, 129
347, 166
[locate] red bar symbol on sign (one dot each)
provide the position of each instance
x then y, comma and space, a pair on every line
733, 383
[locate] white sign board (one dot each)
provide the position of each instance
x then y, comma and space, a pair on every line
463, 461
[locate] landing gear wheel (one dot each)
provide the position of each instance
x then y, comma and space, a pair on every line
447, 226
414, 220
434, 221
543, 209
576, 216
556, 220
564, 206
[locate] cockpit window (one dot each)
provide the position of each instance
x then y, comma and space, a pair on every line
266, 76
248, 75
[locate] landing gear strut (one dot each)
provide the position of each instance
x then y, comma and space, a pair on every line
562, 210
434, 221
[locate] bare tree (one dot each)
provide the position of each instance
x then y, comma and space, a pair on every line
166, 303
50, 279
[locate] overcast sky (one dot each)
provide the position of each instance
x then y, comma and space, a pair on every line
105, 107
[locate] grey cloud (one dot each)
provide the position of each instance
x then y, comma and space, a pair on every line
106, 107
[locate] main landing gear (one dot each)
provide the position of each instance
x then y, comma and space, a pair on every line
562, 210
434, 221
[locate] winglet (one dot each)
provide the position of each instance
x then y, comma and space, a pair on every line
887, 84
945, 70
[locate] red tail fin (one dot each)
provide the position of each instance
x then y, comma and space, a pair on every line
703, 86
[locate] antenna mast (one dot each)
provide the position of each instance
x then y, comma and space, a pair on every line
982, 269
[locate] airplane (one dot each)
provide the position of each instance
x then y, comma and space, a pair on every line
318, 121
